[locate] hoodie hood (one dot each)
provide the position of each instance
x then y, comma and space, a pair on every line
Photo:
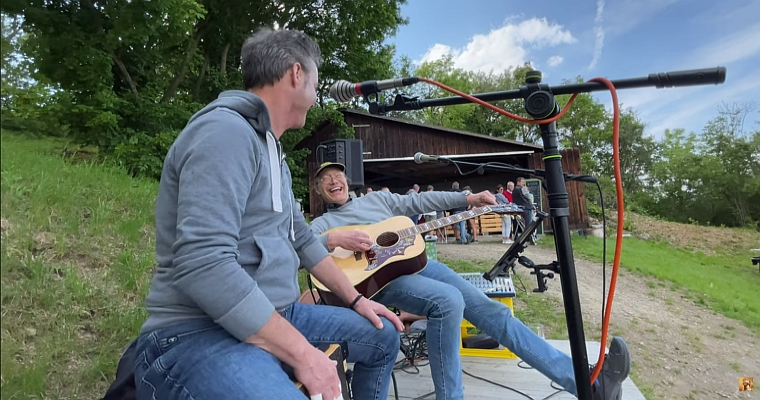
254, 110
247, 104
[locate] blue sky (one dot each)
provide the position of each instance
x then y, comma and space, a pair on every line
613, 39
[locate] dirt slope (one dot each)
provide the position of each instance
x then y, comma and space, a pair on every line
681, 350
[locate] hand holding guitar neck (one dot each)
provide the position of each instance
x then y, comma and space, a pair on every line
484, 198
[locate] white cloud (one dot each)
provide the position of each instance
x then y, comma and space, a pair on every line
730, 49
701, 102
598, 33
555, 60
504, 47
727, 51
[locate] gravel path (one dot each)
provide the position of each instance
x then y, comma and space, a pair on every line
681, 350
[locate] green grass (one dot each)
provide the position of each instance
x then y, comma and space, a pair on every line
726, 283
77, 249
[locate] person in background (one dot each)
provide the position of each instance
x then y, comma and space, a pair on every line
506, 220
415, 189
472, 222
522, 197
432, 214
508, 194
460, 230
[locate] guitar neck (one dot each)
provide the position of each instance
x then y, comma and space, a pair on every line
446, 221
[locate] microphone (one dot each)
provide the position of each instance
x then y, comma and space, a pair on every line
343, 91
420, 158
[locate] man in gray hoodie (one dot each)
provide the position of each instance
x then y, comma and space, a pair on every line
223, 310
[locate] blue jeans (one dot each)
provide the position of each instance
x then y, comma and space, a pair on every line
444, 297
460, 226
528, 216
201, 360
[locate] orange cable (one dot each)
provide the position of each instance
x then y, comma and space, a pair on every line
618, 189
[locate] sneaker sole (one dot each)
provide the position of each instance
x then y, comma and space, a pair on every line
619, 347
622, 355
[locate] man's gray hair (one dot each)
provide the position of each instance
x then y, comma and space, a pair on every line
268, 53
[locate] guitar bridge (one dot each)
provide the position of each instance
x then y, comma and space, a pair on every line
371, 260
358, 255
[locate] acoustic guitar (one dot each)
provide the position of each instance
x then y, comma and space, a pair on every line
398, 249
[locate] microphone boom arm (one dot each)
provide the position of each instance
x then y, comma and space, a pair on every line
694, 77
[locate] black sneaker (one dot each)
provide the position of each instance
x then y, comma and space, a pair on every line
617, 366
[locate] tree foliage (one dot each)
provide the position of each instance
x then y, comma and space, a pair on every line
140, 69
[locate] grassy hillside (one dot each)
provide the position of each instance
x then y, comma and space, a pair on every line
77, 247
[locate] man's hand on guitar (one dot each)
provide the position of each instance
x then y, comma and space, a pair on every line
484, 198
373, 311
350, 240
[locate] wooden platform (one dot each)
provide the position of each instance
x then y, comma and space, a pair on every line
502, 371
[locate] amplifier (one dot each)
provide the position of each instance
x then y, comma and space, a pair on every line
335, 352
349, 152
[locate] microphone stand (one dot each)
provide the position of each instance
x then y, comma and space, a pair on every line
541, 104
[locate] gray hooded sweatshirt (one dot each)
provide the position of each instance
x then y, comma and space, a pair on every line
229, 238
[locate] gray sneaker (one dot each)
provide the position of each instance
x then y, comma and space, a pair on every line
617, 366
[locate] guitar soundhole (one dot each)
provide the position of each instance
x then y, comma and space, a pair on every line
387, 239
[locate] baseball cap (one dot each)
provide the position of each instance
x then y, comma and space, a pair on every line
329, 164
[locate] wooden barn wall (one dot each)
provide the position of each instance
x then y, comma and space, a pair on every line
571, 163
390, 139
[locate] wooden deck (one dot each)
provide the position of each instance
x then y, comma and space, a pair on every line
502, 371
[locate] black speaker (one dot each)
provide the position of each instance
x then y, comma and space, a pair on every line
349, 152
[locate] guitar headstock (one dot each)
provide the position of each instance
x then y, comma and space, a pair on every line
508, 209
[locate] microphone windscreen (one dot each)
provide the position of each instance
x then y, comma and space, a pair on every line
342, 91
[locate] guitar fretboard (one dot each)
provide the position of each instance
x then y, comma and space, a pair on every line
446, 221
453, 219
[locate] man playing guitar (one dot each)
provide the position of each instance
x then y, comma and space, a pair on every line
441, 295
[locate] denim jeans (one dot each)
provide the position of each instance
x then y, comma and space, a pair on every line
444, 297
460, 226
506, 226
201, 360
528, 216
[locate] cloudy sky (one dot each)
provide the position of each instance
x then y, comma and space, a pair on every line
613, 38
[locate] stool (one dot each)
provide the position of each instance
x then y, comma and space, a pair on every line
500, 289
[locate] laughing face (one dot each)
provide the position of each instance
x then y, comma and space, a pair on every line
333, 186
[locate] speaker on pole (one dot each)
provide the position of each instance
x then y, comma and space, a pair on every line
348, 152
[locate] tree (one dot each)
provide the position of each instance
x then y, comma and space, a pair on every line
637, 152
140, 69
470, 117
712, 178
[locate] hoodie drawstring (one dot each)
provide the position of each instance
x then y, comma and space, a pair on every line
274, 162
